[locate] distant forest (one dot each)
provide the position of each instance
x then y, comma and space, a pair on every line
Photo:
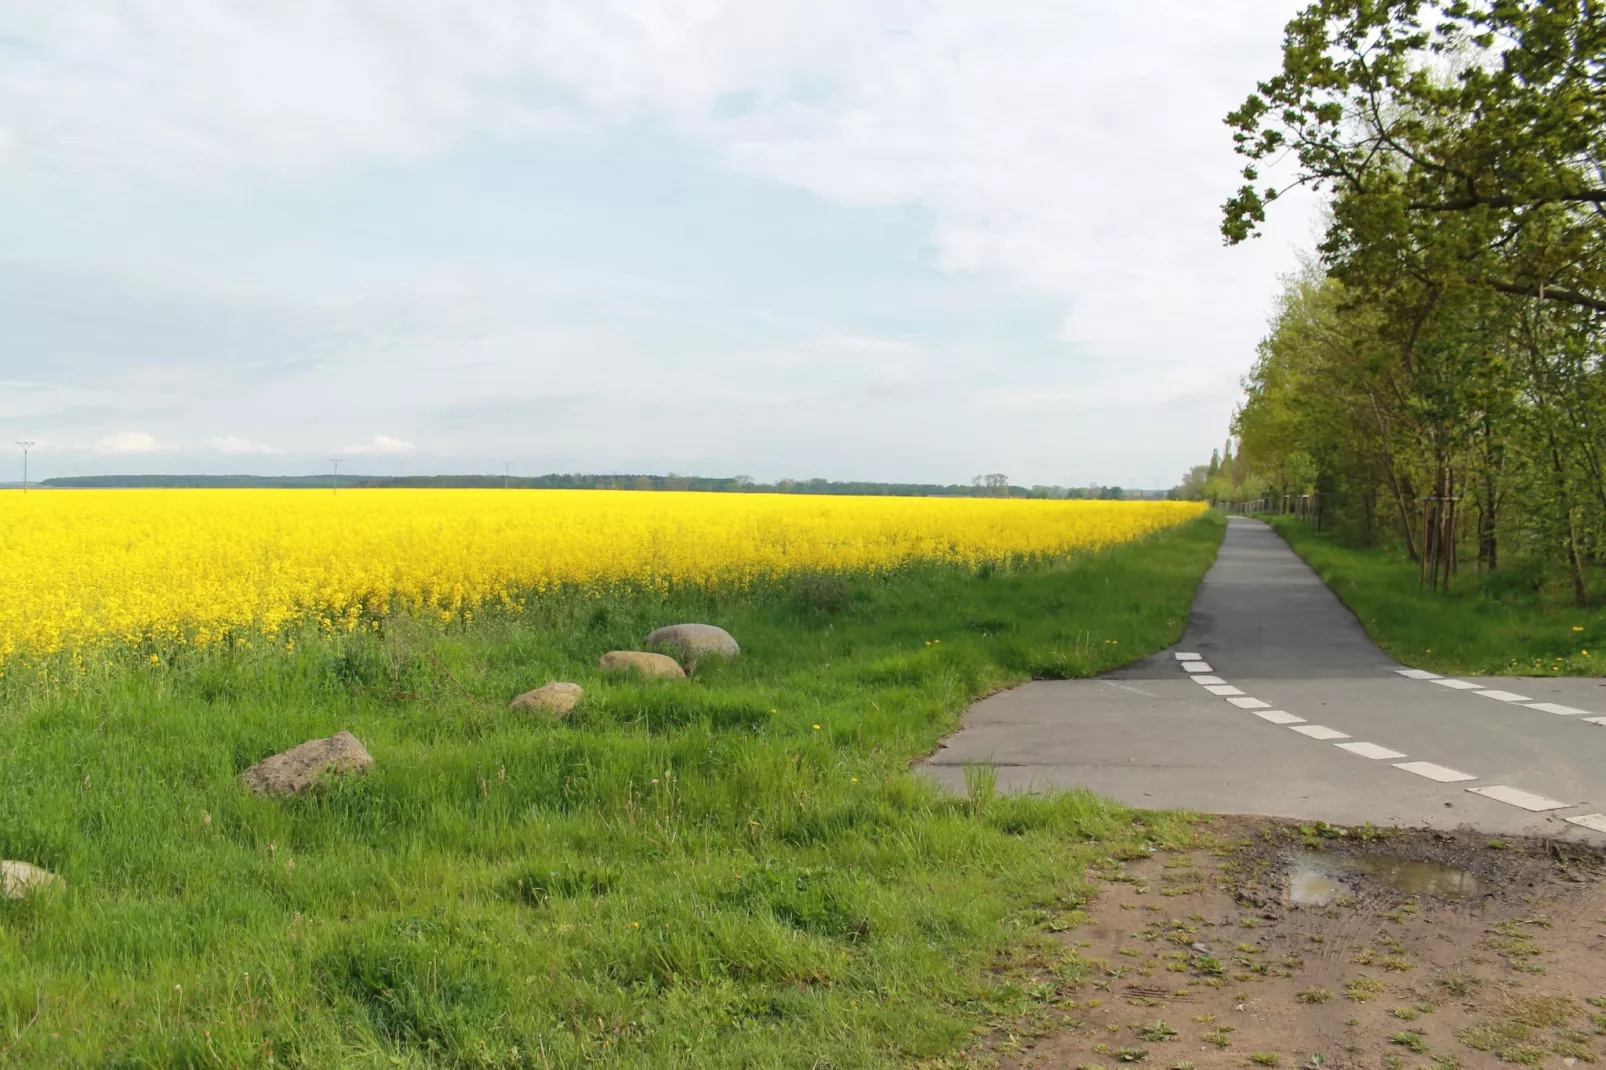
994, 486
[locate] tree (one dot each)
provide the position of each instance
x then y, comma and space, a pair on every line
1488, 112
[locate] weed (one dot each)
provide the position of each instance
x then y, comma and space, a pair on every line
1411, 1040
1219, 1036
1314, 995
981, 785
1156, 1030
1266, 1058
1362, 989
1460, 984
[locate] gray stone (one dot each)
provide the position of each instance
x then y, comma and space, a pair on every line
643, 663
18, 880
557, 697
300, 768
690, 642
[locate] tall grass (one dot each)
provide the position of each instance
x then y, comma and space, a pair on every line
737, 870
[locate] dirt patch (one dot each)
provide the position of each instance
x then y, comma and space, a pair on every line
1411, 949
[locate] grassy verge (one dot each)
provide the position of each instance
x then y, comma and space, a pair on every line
1475, 628
735, 870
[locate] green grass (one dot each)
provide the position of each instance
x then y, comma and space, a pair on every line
739, 870
1479, 627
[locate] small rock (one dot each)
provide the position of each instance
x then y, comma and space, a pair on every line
641, 662
689, 642
18, 880
558, 697
299, 768
1203, 949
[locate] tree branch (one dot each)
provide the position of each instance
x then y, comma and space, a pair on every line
1461, 204
1548, 293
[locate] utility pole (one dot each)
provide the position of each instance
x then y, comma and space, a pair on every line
26, 446
334, 480
505, 466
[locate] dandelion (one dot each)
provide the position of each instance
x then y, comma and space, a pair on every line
816, 728
1578, 627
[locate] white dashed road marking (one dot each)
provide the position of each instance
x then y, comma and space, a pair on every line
1527, 800
1504, 696
1369, 750
1203, 674
1551, 707
1593, 822
1434, 772
1281, 717
1320, 731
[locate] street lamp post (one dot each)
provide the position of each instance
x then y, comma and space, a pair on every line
26, 446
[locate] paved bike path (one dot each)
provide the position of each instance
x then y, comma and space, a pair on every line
1294, 712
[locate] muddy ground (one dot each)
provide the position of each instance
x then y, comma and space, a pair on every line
1282, 945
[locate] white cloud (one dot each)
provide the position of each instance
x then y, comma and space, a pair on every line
126, 442
383, 445
234, 445
1073, 148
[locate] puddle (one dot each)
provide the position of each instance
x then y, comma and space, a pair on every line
1319, 878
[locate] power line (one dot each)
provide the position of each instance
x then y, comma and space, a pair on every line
26, 446
334, 480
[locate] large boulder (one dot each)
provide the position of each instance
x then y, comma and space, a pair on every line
643, 663
558, 697
18, 880
689, 643
300, 768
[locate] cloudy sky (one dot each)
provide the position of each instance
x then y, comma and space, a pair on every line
880, 239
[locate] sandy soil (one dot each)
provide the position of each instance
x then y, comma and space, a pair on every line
1413, 949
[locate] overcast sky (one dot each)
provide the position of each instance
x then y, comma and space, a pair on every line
877, 239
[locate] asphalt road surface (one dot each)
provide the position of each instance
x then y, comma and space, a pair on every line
1276, 702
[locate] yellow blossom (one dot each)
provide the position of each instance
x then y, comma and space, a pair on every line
88, 568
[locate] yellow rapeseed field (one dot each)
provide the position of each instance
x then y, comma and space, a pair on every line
81, 569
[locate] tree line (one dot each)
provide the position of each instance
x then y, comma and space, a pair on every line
1434, 373
989, 486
